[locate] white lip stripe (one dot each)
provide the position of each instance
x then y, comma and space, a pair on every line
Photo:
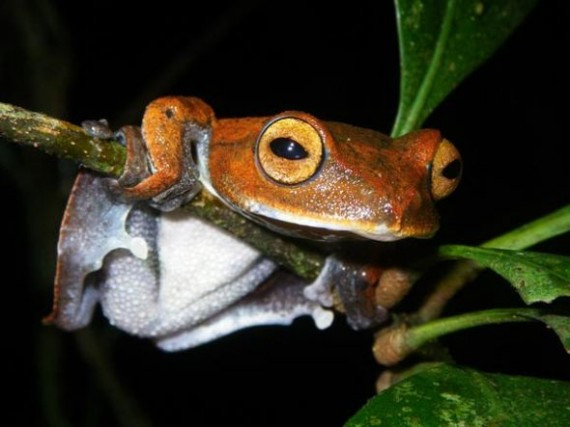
381, 232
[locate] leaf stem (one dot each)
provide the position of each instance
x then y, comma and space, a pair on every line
395, 343
419, 335
412, 120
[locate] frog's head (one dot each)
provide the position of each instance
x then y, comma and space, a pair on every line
327, 180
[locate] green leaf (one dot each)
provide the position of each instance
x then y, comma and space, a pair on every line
536, 276
441, 42
453, 396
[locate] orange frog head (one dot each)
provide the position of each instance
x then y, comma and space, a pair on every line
326, 180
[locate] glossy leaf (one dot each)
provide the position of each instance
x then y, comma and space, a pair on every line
536, 276
441, 42
452, 396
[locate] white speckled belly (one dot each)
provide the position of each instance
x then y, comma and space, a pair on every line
197, 271
167, 276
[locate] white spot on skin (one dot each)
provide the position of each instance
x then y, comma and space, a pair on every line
139, 248
323, 318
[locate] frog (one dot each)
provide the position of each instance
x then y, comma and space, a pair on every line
160, 272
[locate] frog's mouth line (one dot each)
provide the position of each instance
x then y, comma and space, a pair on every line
309, 228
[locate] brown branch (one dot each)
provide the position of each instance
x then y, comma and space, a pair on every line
69, 141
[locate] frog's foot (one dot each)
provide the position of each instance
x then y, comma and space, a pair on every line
136, 166
349, 287
363, 292
98, 128
278, 301
166, 188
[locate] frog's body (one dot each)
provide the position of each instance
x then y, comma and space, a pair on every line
183, 281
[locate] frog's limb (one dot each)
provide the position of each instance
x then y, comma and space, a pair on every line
168, 276
193, 272
180, 280
279, 301
171, 125
98, 128
92, 226
136, 164
352, 288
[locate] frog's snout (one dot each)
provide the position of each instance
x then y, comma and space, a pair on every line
446, 170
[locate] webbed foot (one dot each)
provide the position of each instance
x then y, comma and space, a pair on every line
159, 167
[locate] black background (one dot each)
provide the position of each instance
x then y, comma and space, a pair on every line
509, 120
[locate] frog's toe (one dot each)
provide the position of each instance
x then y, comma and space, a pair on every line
163, 191
136, 166
97, 128
177, 195
165, 188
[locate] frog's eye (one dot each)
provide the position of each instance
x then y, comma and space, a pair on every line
289, 150
445, 170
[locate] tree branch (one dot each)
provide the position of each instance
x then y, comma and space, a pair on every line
68, 141
61, 139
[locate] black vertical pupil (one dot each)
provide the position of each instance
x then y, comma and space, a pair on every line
288, 149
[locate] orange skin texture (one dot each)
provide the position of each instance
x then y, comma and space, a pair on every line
365, 179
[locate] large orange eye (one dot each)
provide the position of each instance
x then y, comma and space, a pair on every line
290, 150
445, 170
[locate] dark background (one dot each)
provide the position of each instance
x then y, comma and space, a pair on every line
79, 60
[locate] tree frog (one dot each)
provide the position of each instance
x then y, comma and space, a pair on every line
161, 273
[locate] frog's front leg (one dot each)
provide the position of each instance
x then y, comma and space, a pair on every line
160, 167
